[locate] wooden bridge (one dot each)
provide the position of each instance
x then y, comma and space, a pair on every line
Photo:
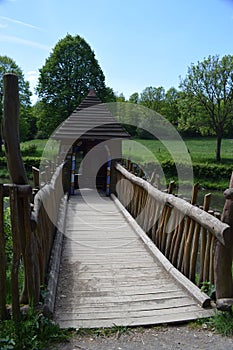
138, 257
104, 268
111, 273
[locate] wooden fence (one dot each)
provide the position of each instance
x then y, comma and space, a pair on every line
184, 233
32, 238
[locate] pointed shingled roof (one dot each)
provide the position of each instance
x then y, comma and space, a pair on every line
91, 120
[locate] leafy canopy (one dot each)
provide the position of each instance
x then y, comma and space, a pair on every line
208, 91
65, 79
8, 65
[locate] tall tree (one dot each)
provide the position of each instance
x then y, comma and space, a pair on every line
134, 98
66, 78
153, 98
8, 65
170, 108
120, 98
210, 85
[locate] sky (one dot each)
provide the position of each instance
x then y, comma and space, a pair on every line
137, 43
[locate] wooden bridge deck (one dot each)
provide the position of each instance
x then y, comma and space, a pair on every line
109, 276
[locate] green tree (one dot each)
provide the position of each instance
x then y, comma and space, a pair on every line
120, 98
153, 98
134, 98
210, 85
65, 79
8, 65
170, 108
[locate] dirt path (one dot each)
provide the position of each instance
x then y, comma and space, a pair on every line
178, 337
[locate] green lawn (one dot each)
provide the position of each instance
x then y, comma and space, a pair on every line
201, 150
40, 144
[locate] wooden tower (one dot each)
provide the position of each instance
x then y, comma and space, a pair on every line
95, 139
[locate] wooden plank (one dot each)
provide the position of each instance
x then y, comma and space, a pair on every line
106, 300
145, 309
130, 314
164, 318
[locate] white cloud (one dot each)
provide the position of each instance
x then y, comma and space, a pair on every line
17, 40
12, 20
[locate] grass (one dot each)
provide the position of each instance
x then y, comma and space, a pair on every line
40, 145
201, 150
221, 322
33, 332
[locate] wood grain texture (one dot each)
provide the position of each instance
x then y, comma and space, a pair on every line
109, 276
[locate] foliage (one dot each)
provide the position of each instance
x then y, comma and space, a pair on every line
33, 332
222, 322
7, 343
27, 160
170, 108
30, 150
65, 79
208, 288
38, 143
207, 172
153, 98
208, 94
134, 98
7, 232
8, 65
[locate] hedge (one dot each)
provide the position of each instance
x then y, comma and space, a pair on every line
28, 162
212, 172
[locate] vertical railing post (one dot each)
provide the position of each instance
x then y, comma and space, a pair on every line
224, 256
73, 166
108, 177
16, 253
3, 311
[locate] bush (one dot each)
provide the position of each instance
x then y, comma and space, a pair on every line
29, 150
29, 162
202, 172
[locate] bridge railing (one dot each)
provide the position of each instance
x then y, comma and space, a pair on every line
34, 221
184, 233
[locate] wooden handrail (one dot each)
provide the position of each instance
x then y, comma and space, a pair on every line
209, 222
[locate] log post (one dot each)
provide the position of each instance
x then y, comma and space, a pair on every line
10, 129
16, 253
223, 257
3, 310
36, 177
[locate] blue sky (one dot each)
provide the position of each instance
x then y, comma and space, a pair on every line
137, 43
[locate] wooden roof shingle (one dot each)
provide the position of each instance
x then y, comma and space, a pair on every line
91, 120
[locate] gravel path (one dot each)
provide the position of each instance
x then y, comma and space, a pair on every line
178, 337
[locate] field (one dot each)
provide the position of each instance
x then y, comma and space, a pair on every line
40, 144
201, 150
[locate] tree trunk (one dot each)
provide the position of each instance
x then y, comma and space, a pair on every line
218, 149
